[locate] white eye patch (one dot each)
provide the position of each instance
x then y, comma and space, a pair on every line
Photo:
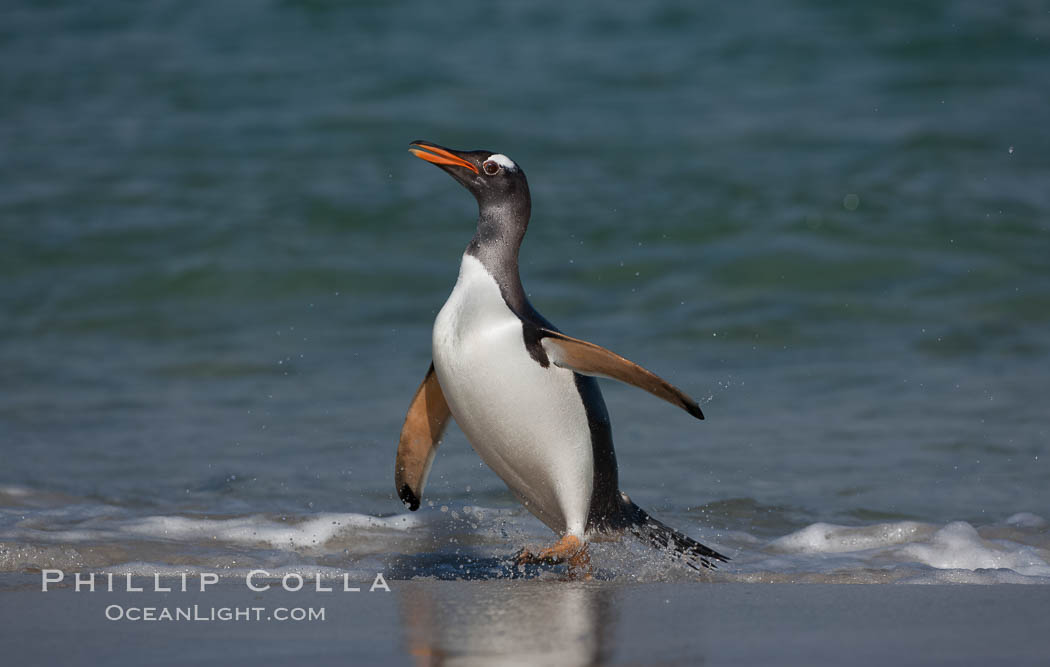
504, 161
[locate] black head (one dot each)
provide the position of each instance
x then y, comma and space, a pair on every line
495, 180
504, 207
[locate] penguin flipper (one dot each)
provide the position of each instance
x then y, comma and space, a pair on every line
426, 420
590, 359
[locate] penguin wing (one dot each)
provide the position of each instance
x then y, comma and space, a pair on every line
590, 359
426, 420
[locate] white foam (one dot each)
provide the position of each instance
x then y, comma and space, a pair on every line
957, 546
899, 551
91, 524
98, 537
830, 538
307, 572
1026, 520
315, 531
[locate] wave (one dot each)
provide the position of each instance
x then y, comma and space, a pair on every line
40, 530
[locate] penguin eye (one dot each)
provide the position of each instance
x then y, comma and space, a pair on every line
490, 167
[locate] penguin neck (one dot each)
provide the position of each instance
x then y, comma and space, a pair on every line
496, 243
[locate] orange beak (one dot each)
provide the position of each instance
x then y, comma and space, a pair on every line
439, 155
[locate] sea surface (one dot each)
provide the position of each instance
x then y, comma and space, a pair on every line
219, 266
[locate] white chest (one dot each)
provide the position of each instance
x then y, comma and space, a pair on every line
474, 309
527, 422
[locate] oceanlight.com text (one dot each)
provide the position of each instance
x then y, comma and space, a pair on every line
198, 613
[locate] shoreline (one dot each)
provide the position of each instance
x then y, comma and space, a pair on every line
530, 621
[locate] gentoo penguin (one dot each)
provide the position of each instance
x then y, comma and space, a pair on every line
524, 393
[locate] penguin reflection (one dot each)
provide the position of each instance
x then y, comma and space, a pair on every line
513, 623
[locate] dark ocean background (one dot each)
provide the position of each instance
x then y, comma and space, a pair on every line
219, 267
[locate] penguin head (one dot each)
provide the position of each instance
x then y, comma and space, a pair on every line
495, 180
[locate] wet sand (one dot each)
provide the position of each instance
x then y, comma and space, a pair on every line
534, 622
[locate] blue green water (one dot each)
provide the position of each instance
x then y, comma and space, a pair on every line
829, 221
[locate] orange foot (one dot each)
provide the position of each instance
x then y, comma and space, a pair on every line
569, 549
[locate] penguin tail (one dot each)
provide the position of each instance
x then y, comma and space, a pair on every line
661, 536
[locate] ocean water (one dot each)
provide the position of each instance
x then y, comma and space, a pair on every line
829, 222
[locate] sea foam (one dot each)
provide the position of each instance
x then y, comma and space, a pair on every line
451, 542
313, 531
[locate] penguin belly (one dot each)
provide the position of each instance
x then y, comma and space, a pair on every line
526, 422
